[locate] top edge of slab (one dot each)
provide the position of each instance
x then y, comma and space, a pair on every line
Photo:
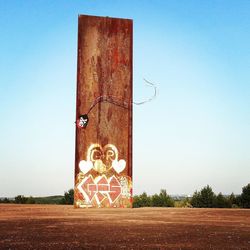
108, 17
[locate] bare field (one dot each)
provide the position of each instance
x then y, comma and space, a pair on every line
63, 227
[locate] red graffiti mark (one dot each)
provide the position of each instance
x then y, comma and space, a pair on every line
103, 188
115, 188
89, 187
103, 185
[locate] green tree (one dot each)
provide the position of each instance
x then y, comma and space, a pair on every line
196, 199
238, 201
222, 201
232, 199
245, 196
235, 200
30, 200
21, 199
204, 198
68, 198
5, 200
142, 200
162, 200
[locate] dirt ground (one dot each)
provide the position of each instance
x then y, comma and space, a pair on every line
63, 227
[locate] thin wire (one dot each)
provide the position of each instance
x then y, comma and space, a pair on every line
151, 98
111, 99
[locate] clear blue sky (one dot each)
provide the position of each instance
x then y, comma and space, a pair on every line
196, 132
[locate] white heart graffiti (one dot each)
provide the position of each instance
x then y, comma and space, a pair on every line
119, 166
85, 166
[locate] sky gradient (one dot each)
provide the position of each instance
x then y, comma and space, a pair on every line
196, 132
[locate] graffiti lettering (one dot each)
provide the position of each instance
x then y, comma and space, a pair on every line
100, 189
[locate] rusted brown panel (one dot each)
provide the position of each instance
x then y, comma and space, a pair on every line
103, 157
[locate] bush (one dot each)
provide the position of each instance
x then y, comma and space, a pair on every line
142, 200
21, 199
5, 200
68, 198
183, 203
245, 196
55, 199
232, 199
162, 200
31, 200
157, 200
222, 201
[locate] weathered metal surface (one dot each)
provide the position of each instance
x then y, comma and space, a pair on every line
103, 156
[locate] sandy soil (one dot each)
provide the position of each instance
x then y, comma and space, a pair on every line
63, 227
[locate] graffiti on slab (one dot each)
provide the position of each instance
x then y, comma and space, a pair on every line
101, 181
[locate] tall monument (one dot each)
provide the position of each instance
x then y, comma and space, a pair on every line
103, 149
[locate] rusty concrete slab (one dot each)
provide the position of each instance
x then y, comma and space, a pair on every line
103, 156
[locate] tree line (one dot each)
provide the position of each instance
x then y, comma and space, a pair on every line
56, 199
205, 198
